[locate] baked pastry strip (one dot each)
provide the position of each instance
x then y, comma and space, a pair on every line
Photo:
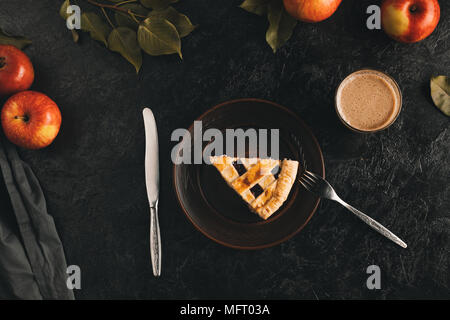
225, 166
280, 194
254, 175
259, 171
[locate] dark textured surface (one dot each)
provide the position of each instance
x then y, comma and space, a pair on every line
93, 174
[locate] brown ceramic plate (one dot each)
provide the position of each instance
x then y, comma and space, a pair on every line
217, 211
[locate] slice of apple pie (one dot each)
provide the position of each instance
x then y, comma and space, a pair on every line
263, 183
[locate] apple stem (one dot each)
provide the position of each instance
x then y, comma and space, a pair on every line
23, 118
413, 8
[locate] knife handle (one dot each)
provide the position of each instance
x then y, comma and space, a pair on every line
155, 240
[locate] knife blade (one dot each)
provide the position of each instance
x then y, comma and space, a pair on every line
152, 184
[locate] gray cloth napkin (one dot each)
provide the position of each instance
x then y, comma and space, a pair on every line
32, 261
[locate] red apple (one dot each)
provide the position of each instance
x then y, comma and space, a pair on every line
409, 20
30, 119
311, 10
16, 70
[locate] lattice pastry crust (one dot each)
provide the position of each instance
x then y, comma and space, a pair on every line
263, 183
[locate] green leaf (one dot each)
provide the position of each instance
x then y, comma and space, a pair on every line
97, 28
440, 91
158, 36
281, 25
18, 42
157, 4
180, 21
125, 20
124, 41
63, 10
63, 13
258, 7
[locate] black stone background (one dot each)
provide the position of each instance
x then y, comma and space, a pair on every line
93, 174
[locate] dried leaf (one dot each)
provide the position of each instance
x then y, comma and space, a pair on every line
124, 41
75, 35
97, 28
18, 42
258, 7
281, 25
440, 91
158, 36
157, 4
125, 20
180, 21
63, 10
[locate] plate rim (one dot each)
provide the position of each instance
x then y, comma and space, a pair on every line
283, 239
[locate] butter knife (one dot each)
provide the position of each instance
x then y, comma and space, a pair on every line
152, 183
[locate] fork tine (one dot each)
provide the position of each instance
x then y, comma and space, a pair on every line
313, 175
307, 187
308, 178
309, 175
311, 185
308, 182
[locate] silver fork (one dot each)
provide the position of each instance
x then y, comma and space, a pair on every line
320, 187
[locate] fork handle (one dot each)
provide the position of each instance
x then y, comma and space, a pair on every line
374, 224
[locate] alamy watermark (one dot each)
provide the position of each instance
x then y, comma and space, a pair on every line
74, 278
73, 20
250, 143
374, 280
374, 20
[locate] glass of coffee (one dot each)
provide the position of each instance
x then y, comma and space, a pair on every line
368, 101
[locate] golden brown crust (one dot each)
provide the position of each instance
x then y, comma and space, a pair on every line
254, 175
284, 185
225, 167
264, 197
259, 172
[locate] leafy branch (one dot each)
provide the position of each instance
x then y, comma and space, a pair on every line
152, 26
281, 24
117, 7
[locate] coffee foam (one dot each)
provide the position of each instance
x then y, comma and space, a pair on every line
387, 81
